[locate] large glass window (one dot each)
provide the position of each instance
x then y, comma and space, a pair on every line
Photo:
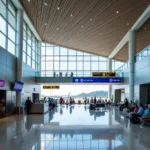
8, 23
3, 40
69, 62
31, 49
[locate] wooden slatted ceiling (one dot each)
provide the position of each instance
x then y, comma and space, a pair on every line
142, 41
99, 35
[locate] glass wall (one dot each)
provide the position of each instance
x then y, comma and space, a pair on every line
144, 53
60, 61
8, 21
116, 64
31, 55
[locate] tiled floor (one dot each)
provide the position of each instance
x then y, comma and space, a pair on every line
73, 128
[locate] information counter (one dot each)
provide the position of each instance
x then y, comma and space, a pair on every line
39, 108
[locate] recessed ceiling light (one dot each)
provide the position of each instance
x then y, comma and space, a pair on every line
58, 8
91, 19
117, 12
28, 0
82, 26
57, 28
45, 4
71, 15
144, 28
45, 24
128, 24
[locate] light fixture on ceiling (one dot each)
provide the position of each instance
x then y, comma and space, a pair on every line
28, 0
45, 4
128, 24
45, 24
57, 28
144, 28
117, 12
91, 19
71, 15
82, 26
58, 8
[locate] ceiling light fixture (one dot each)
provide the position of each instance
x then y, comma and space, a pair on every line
91, 19
82, 26
144, 28
117, 12
45, 24
58, 8
57, 28
128, 24
71, 15
28, 0
45, 4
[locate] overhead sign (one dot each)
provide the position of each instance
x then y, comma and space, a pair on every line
103, 74
97, 80
50, 87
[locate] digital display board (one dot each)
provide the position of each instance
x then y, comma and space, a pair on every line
97, 80
18, 86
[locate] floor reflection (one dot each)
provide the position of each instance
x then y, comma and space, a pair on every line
73, 128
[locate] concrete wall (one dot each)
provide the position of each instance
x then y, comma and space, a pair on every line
29, 83
7, 68
142, 76
8, 63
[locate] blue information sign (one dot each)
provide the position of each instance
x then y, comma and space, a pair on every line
97, 80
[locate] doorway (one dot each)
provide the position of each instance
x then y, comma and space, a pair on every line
2, 103
35, 97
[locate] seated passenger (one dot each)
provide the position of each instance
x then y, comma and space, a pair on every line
135, 116
146, 112
125, 105
136, 108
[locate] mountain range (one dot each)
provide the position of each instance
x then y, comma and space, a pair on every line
93, 94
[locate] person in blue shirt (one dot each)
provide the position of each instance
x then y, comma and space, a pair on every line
135, 116
146, 112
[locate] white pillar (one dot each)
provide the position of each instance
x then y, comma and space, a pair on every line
109, 68
132, 50
19, 53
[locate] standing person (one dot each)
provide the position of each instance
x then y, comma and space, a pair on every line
61, 100
28, 104
95, 100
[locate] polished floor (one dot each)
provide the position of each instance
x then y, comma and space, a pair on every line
73, 128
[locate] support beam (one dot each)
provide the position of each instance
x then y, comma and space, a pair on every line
132, 50
19, 52
141, 20
109, 65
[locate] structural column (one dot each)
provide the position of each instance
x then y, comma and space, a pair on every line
19, 53
109, 68
132, 50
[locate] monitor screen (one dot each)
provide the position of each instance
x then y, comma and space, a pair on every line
18, 86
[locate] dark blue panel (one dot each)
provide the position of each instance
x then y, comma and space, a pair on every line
97, 80
18, 86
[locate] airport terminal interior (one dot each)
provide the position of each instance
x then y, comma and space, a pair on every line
74, 74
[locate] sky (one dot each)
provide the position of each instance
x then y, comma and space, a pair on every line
73, 89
